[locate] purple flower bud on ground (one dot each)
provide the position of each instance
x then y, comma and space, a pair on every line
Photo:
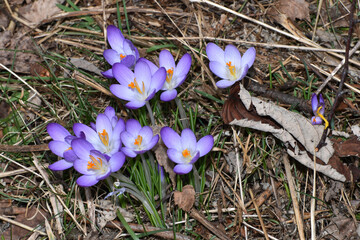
175, 75
94, 165
123, 51
139, 86
61, 146
228, 64
184, 150
104, 135
318, 107
137, 139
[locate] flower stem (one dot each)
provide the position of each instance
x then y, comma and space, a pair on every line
183, 118
150, 113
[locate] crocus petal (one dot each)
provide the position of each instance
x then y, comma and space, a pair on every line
122, 74
57, 132
115, 38
158, 79
188, 139
152, 66
128, 61
146, 132
219, 69
314, 103
58, 147
224, 83
175, 156
205, 144
170, 138
70, 155
183, 168
249, 57
135, 104
123, 92
214, 52
166, 60
195, 158
82, 148
183, 66
87, 180
81, 165
60, 165
232, 55
90, 134
116, 161
133, 126
111, 56
118, 129
128, 139
128, 152
108, 73
109, 112
244, 72
168, 95
154, 140
316, 120
142, 74
103, 123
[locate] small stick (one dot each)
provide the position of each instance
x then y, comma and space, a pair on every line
343, 76
19, 224
299, 222
24, 148
313, 204
259, 215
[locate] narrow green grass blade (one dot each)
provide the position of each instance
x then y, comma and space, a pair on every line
126, 18
157, 47
126, 225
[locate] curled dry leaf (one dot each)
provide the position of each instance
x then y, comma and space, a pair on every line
40, 10
295, 131
185, 199
292, 9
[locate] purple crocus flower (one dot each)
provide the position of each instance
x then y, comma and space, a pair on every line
123, 51
228, 64
61, 147
184, 150
104, 135
318, 107
175, 75
139, 86
94, 165
137, 139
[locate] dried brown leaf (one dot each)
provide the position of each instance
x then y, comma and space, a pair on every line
185, 199
292, 9
40, 10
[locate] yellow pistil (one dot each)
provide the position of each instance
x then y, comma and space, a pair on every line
231, 69
70, 148
104, 137
322, 117
169, 74
122, 56
135, 85
138, 141
186, 153
95, 164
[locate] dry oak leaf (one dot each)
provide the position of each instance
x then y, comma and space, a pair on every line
185, 199
294, 130
292, 9
40, 10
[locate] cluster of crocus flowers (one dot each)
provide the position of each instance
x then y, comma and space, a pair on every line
228, 64
318, 107
97, 151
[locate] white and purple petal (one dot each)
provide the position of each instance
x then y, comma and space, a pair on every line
170, 138
108, 73
214, 52
188, 139
111, 56
204, 145
224, 83
58, 147
168, 95
166, 60
123, 74
115, 38
116, 161
219, 69
249, 57
87, 180
60, 165
232, 55
183, 168
82, 148
176, 156
57, 132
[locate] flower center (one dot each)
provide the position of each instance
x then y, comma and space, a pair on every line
95, 164
231, 69
169, 75
135, 85
70, 148
104, 137
122, 56
322, 117
186, 153
138, 141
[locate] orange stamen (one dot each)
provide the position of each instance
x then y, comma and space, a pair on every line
186, 153
135, 85
169, 74
104, 137
138, 141
68, 149
122, 56
231, 68
95, 164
